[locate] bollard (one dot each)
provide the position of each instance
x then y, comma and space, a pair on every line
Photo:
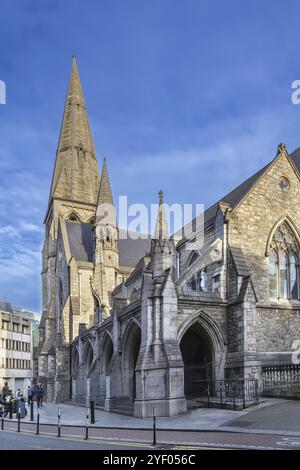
256, 390
92, 408
154, 428
10, 416
2, 423
19, 420
87, 425
233, 396
38, 424
58, 424
31, 411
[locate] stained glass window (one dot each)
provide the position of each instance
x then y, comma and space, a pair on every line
283, 264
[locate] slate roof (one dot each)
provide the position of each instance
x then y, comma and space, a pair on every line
142, 263
5, 306
131, 251
239, 261
80, 240
82, 244
235, 196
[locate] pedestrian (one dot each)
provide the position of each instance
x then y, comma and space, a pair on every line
5, 390
42, 393
20, 407
38, 395
18, 393
29, 394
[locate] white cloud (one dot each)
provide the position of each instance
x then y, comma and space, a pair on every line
9, 231
29, 227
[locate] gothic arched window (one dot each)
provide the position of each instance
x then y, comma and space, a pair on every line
294, 277
197, 282
193, 259
283, 264
74, 217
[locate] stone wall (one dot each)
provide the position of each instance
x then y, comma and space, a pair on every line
253, 219
277, 328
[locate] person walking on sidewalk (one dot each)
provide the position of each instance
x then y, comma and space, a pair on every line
5, 390
37, 392
29, 394
42, 393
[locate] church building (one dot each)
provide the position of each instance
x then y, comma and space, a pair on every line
140, 323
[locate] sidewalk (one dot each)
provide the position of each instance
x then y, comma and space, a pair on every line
273, 415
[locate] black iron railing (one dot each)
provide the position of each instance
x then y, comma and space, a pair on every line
283, 377
226, 393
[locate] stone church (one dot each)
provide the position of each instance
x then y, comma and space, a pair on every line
139, 323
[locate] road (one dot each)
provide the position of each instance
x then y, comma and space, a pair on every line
10, 440
101, 438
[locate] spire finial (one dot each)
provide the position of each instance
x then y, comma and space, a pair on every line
161, 197
161, 230
105, 193
281, 148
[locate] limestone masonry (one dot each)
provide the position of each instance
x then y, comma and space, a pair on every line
143, 324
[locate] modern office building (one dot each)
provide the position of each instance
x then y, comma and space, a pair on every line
15, 346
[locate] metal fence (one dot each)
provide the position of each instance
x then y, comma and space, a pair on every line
281, 378
230, 393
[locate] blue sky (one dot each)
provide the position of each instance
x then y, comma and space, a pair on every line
190, 96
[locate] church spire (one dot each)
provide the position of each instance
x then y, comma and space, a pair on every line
161, 229
76, 175
105, 193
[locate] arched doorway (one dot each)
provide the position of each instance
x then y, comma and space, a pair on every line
75, 362
197, 353
88, 358
132, 341
106, 354
108, 349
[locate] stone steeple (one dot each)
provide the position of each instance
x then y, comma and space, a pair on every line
105, 194
161, 229
76, 161
106, 244
161, 246
73, 193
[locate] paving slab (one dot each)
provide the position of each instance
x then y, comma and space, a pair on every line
271, 414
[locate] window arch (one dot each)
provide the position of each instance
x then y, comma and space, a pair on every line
284, 264
198, 281
74, 217
193, 258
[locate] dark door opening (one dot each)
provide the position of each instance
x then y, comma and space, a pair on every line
197, 354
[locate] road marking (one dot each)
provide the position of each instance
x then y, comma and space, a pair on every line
289, 441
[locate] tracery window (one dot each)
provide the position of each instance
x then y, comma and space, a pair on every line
198, 281
284, 264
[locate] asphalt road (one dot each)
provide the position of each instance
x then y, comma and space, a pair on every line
113, 439
22, 441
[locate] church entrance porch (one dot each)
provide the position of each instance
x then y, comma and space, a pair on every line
197, 354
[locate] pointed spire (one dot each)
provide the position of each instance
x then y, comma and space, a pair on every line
161, 230
75, 130
75, 153
105, 193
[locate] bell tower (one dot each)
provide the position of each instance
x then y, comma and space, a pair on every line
73, 195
